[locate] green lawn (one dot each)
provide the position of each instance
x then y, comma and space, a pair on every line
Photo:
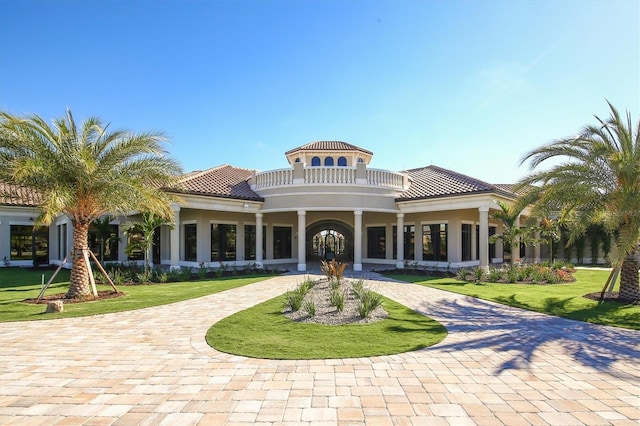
563, 300
264, 332
17, 284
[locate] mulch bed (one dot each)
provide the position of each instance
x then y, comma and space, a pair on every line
615, 297
102, 295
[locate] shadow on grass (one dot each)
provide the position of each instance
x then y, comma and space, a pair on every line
560, 308
519, 336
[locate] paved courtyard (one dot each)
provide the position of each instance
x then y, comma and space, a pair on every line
498, 365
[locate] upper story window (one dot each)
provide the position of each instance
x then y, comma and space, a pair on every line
298, 160
360, 160
328, 161
315, 161
342, 162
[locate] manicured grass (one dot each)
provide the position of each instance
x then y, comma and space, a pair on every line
563, 300
17, 284
264, 332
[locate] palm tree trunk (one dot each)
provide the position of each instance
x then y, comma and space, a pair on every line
79, 281
629, 282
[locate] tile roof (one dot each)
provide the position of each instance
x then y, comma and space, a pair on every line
511, 187
15, 195
222, 181
433, 182
328, 146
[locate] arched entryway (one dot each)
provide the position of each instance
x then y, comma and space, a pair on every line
329, 239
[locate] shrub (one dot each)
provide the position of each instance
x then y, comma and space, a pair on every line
537, 274
368, 302
163, 277
478, 273
202, 270
495, 275
184, 274
335, 284
99, 276
310, 307
144, 276
306, 285
462, 274
357, 289
117, 276
513, 274
528, 272
565, 276
174, 275
551, 277
337, 299
293, 300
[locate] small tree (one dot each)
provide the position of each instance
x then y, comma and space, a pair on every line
512, 234
145, 228
550, 233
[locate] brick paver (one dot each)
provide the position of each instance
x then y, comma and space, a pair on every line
498, 365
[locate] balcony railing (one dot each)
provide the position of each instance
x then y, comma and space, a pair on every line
330, 176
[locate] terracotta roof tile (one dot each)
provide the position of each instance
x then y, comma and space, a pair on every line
222, 181
433, 181
511, 188
15, 195
328, 146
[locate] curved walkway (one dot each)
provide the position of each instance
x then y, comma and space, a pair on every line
498, 365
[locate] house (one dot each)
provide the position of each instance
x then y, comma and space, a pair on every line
328, 203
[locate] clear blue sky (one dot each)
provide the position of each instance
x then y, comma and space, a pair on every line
466, 85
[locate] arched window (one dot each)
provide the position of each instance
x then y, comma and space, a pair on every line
342, 162
360, 160
298, 160
315, 161
328, 161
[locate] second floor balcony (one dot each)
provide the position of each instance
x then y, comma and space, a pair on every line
330, 175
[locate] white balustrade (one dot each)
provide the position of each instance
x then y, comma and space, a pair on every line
329, 176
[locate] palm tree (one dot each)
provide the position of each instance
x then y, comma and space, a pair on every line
512, 233
596, 176
145, 229
549, 233
85, 172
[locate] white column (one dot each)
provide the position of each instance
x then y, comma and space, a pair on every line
122, 238
259, 238
400, 241
357, 243
484, 237
302, 238
175, 239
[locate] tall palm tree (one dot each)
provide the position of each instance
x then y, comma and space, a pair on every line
596, 176
145, 229
85, 171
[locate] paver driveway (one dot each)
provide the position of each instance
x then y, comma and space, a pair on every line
498, 365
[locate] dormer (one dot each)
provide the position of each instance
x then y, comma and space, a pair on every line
329, 153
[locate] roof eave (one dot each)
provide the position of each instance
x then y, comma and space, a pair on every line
458, 194
228, 197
